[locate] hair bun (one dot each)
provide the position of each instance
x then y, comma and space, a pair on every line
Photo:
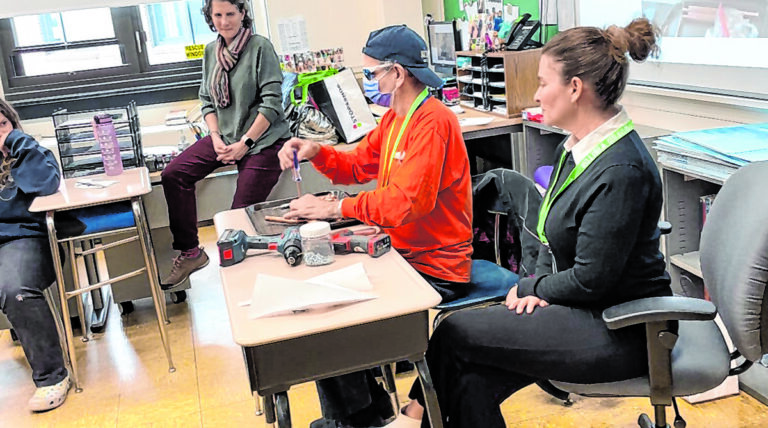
618, 42
642, 36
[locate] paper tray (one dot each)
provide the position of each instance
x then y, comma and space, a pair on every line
256, 213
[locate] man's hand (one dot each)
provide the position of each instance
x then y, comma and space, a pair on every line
305, 150
527, 303
312, 207
235, 152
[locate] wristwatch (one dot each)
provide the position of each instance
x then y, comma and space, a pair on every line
249, 142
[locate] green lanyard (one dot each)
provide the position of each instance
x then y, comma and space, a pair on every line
546, 204
416, 103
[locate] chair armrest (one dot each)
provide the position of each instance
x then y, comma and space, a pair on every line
654, 309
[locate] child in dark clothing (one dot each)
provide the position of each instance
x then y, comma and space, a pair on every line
28, 170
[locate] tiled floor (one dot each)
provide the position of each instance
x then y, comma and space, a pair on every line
126, 381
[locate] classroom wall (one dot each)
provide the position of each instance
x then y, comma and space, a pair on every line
681, 111
344, 23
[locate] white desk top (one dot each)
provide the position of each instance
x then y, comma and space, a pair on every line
400, 288
132, 182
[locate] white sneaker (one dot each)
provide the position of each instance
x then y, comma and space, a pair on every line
405, 421
50, 397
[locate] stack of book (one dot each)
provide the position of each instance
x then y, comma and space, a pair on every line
714, 153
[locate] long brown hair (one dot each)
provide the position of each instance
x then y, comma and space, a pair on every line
599, 57
10, 113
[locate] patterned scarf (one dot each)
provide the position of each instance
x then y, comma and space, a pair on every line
226, 59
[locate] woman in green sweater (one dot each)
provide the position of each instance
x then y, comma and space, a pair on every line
241, 104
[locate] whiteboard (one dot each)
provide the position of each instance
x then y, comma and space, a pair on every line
718, 47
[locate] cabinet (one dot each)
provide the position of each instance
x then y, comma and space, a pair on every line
499, 82
539, 144
682, 193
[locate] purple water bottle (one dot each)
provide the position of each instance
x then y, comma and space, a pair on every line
104, 132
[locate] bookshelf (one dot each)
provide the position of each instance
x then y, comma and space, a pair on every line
502, 83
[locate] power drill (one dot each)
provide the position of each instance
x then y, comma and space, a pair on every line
346, 241
233, 244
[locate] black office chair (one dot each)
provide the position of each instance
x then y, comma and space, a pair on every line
734, 261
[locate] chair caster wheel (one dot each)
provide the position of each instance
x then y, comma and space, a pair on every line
178, 296
125, 307
679, 423
98, 329
645, 422
567, 402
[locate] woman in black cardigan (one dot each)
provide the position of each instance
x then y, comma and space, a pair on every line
599, 223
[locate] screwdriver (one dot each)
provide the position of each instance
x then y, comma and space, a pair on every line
296, 173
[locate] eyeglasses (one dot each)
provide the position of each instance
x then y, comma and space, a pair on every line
369, 72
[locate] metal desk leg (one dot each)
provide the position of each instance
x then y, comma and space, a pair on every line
269, 409
430, 397
257, 400
54, 243
388, 374
76, 285
153, 261
157, 296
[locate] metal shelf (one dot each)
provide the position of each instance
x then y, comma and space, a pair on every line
688, 262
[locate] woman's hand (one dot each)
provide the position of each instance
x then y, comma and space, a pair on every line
527, 303
312, 207
305, 150
234, 152
218, 144
3, 148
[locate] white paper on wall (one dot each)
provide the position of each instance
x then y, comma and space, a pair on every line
293, 35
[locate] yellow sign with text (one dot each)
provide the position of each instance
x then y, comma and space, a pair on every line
194, 51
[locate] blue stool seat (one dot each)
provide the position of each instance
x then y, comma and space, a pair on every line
488, 282
102, 218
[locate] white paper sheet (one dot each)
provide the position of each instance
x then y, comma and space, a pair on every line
273, 296
475, 121
353, 277
293, 35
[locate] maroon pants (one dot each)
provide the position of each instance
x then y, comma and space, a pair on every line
257, 174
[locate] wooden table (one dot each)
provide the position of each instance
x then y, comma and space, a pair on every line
287, 350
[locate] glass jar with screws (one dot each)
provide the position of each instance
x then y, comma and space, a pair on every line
316, 243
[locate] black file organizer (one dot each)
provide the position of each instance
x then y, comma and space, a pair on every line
79, 152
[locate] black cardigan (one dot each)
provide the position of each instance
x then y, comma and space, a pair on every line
603, 232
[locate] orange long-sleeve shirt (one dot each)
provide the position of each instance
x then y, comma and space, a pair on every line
426, 203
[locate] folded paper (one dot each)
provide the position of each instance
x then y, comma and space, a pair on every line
273, 296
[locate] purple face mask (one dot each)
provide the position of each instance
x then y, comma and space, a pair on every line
371, 89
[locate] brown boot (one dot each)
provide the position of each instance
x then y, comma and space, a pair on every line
183, 266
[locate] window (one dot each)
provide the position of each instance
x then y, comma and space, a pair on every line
64, 42
102, 56
171, 26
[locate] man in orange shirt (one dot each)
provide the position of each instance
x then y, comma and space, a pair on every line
423, 198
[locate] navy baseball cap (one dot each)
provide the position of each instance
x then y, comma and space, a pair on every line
402, 45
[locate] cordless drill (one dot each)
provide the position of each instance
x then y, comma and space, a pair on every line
233, 244
346, 241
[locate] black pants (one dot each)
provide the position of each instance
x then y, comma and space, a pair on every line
26, 269
478, 358
356, 399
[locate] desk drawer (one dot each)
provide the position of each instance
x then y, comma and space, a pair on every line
277, 366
